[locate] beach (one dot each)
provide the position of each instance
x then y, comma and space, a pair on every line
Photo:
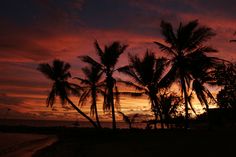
142, 143
22, 144
25, 141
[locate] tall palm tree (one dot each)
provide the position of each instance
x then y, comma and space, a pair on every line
183, 46
92, 86
59, 74
147, 74
108, 60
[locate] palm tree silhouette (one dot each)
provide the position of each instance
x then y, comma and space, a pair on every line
203, 74
108, 60
59, 73
183, 46
147, 74
226, 77
92, 86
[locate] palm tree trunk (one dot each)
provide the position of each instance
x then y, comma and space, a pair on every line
80, 112
155, 124
95, 107
207, 110
110, 85
130, 125
159, 111
185, 101
154, 111
112, 109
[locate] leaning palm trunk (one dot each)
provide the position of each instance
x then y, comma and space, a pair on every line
80, 112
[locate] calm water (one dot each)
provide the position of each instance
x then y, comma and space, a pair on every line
53, 123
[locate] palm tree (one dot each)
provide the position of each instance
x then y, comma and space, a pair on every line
182, 47
108, 60
59, 73
92, 86
147, 74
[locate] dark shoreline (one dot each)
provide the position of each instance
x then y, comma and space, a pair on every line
142, 143
136, 142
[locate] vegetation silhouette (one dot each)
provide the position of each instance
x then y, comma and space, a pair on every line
226, 77
91, 85
59, 74
203, 75
188, 63
147, 77
107, 64
128, 119
183, 46
170, 103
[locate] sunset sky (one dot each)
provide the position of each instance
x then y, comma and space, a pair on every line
36, 31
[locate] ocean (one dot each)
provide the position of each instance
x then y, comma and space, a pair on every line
61, 123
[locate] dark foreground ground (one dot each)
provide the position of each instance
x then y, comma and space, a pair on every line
78, 142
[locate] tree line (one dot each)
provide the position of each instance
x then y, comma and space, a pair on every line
187, 62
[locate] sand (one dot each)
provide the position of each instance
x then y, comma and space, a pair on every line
167, 143
23, 145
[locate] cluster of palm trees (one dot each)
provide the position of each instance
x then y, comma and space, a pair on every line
187, 63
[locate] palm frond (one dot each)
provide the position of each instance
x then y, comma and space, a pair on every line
200, 35
166, 49
98, 49
128, 70
210, 95
73, 88
84, 97
90, 60
159, 69
125, 117
117, 98
132, 94
170, 77
191, 105
168, 33
83, 81
131, 84
111, 54
46, 70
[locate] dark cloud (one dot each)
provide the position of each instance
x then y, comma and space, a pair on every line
10, 100
30, 13
27, 25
